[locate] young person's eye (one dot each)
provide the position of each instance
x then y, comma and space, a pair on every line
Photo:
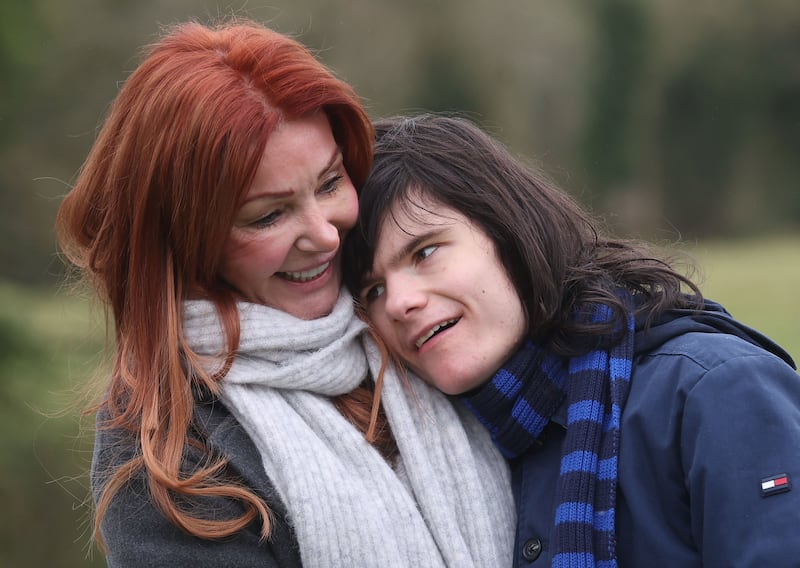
332, 184
425, 252
372, 293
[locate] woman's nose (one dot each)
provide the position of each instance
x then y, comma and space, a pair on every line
318, 232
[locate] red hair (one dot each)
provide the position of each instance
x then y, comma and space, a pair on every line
151, 209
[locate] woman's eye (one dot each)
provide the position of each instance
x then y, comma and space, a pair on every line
332, 184
373, 292
425, 252
267, 220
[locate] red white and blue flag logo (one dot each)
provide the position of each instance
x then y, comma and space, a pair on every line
775, 484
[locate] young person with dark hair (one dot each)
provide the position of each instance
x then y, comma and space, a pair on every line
643, 424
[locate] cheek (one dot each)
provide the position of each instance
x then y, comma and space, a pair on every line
385, 330
248, 256
348, 209
233, 250
509, 309
517, 319
231, 257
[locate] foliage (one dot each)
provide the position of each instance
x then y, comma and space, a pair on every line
664, 113
46, 341
623, 45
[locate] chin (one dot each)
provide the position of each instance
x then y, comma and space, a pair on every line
309, 313
450, 386
313, 310
446, 385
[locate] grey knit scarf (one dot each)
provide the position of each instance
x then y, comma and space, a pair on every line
448, 500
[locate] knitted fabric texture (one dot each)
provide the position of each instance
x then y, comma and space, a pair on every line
517, 404
448, 502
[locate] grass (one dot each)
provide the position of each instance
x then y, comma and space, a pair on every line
758, 281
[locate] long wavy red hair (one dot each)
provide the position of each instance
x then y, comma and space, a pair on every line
151, 210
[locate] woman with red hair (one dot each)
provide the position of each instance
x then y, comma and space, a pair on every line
238, 426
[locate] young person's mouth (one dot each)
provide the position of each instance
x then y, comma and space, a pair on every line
439, 327
304, 275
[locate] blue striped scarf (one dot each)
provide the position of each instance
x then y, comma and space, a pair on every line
517, 404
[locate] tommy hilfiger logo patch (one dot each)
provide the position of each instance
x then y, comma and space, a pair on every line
775, 484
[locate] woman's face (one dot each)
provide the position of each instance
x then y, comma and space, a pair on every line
441, 299
283, 249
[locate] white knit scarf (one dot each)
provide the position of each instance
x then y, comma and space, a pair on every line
448, 501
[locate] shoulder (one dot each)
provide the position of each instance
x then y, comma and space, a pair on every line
709, 417
716, 397
697, 379
690, 357
213, 426
135, 531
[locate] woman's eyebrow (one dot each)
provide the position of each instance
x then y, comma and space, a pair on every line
333, 162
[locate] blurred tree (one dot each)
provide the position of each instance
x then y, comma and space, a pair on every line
778, 64
444, 80
608, 148
608, 96
700, 133
727, 121
20, 28
23, 241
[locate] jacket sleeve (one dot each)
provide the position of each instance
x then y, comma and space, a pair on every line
741, 428
135, 533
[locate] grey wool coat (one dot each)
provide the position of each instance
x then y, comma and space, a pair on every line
135, 532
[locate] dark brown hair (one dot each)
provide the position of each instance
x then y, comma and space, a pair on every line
554, 251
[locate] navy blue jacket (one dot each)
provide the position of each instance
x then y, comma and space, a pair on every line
713, 415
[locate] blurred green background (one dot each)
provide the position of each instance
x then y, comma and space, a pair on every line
678, 121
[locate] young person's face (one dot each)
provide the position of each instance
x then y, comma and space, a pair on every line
441, 299
283, 249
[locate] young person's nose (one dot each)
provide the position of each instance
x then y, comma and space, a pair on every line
404, 296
